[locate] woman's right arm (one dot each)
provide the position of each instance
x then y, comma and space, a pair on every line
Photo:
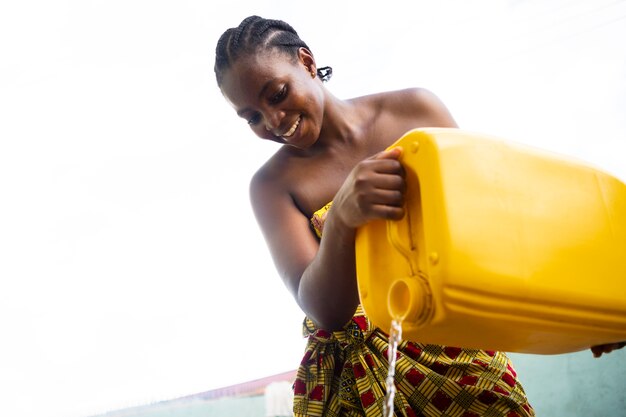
321, 273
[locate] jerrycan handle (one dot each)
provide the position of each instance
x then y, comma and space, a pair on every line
409, 298
405, 247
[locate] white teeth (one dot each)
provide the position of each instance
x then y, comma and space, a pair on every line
292, 129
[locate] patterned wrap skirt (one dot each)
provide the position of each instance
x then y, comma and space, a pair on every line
343, 374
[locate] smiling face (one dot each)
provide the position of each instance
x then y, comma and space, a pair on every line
277, 95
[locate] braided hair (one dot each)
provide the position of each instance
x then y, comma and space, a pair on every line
254, 33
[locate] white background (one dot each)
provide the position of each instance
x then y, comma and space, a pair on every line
131, 267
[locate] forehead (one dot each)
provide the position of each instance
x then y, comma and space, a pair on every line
249, 74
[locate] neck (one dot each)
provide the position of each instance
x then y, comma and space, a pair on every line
343, 121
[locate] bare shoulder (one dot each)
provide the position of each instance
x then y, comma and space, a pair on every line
269, 181
415, 98
273, 187
419, 104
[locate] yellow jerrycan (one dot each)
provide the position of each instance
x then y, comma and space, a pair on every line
502, 247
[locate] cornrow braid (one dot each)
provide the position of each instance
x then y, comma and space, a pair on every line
254, 33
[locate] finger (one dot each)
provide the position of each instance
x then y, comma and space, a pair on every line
388, 212
389, 166
387, 197
385, 181
597, 351
393, 153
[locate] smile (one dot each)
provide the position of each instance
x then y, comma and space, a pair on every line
292, 129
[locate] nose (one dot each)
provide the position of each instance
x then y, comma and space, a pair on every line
272, 120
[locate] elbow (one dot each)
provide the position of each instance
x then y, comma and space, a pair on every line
330, 312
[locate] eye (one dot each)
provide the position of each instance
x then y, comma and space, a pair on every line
276, 98
256, 118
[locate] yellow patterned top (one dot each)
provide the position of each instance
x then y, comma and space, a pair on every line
343, 373
317, 221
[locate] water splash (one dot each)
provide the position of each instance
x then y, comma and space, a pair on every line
395, 336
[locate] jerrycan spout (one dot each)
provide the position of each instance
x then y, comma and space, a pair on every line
409, 301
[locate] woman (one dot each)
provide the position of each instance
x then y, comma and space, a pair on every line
334, 152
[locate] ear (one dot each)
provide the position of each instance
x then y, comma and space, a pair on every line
308, 60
